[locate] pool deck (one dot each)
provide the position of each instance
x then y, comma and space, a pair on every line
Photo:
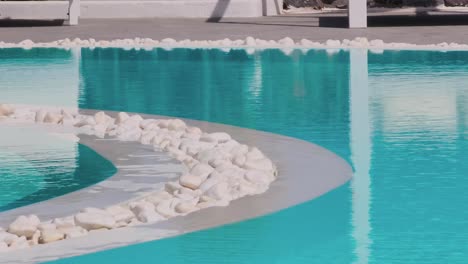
407, 27
306, 171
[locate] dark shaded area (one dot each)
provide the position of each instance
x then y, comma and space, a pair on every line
30, 23
341, 20
418, 19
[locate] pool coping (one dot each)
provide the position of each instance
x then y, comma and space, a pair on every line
326, 171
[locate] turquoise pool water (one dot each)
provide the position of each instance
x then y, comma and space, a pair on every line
400, 118
36, 166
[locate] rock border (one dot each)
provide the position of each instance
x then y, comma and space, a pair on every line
220, 170
249, 42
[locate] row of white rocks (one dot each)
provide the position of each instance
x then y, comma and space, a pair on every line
249, 42
220, 170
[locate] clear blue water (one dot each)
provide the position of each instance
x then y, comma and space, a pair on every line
36, 166
400, 119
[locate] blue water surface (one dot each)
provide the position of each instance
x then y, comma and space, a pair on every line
399, 117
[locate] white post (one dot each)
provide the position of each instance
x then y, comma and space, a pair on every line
357, 13
361, 149
272, 7
73, 12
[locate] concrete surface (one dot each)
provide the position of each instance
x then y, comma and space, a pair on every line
417, 28
306, 171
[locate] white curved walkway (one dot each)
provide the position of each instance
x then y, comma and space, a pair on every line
306, 171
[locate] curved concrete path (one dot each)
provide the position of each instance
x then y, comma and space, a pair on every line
306, 171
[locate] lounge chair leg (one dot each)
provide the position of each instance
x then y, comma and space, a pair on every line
73, 12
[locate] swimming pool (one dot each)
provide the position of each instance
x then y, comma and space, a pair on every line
37, 166
400, 120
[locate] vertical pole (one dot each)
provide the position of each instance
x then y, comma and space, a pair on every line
357, 13
73, 12
361, 149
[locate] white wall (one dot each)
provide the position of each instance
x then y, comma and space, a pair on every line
146, 8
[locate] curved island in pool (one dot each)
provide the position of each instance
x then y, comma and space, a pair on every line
292, 157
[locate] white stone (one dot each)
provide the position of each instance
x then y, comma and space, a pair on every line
64, 222
218, 137
51, 235
52, 118
101, 118
121, 117
72, 232
158, 197
120, 214
6, 110
165, 209
202, 171
171, 187
24, 226
3, 246
94, 220
8, 238
176, 124
149, 216
259, 164
219, 191
190, 181
185, 208
20, 243
258, 177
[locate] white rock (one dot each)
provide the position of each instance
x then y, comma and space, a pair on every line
150, 216
64, 222
211, 181
165, 209
176, 124
94, 220
171, 187
6, 110
185, 208
101, 118
286, 42
190, 181
219, 191
239, 160
158, 197
51, 235
52, 118
193, 130
254, 153
44, 226
3, 246
120, 214
202, 171
8, 238
121, 117
258, 177
259, 164
141, 206
19, 243
218, 137
24, 226
72, 232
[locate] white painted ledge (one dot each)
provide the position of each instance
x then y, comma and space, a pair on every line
142, 9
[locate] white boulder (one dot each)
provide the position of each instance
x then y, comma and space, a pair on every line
24, 226
94, 220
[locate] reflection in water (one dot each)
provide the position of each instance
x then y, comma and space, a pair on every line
399, 119
361, 148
